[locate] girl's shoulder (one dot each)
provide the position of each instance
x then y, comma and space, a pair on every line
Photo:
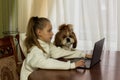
35, 49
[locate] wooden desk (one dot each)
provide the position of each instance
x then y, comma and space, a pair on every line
107, 69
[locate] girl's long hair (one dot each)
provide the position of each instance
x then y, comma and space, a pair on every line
31, 35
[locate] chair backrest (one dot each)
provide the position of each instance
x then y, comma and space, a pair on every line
7, 47
8, 59
22, 55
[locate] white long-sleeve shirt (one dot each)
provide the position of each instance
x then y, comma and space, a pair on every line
37, 59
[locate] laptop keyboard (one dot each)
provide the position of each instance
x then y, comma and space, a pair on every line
87, 63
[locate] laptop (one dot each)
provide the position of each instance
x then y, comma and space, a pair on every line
97, 51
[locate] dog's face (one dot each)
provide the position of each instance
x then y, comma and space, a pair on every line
65, 38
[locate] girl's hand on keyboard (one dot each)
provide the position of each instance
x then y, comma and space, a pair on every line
80, 63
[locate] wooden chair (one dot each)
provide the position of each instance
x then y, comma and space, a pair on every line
22, 55
19, 64
8, 59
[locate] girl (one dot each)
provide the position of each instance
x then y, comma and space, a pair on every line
41, 53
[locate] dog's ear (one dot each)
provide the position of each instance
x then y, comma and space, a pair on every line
75, 40
57, 41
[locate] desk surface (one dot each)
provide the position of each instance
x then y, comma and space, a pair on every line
107, 69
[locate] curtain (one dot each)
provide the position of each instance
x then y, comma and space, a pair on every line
9, 17
91, 19
28, 8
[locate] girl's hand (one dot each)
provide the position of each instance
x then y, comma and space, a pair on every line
80, 63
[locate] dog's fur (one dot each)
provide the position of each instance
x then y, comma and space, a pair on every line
65, 37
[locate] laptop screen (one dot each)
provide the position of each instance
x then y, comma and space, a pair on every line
97, 51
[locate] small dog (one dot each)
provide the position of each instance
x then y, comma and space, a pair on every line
65, 37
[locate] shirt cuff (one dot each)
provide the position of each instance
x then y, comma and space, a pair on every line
72, 65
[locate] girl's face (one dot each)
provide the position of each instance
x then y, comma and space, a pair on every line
46, 33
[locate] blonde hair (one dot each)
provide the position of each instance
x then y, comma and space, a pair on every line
31, 35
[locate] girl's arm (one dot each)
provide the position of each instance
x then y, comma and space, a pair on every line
57, 52
37, 59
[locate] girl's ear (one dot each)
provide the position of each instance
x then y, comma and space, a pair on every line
38, 32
